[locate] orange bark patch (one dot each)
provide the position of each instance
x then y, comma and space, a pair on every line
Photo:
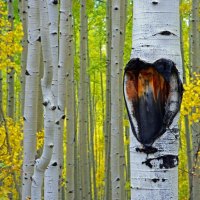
131, 86
147, 80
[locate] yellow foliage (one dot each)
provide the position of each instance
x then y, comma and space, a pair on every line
191, 100
10, 157
40, 139
9, 40
185, 8
11, 153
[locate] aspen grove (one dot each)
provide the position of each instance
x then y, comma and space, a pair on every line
99, 99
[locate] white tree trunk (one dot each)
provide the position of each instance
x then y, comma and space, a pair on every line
51, 184
23, 16
10, 70
31, 96
108, 101
121, 102
115, 101
83, 106
156, 35
49, 106
70, 99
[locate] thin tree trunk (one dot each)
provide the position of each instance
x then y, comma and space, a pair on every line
92, 144
76, 160
83, 135
154, 37
195, 63
121, 102
49, 107
10, 70
186, 120
128, 195
115, 101
108, 102
91, 132
23, 16
31, 96
71, 103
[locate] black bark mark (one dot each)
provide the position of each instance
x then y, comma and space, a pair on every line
147, 150
162, 162
27, 73
55, 2
166, 33
155, 180
154, 2
39, 39
54, 164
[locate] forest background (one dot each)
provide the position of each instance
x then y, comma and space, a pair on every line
13, 58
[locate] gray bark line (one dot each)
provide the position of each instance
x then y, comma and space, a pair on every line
195, 128
83, 108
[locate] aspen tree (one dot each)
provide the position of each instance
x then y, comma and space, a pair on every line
52, 174
31, 96
83, 108
186, 119
108, 102
23, 17
10, 70
154, 174
70, 99
115, 100
49, 107
195, 68
91, 139
121, 102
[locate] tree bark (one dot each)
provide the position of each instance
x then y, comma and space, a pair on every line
23, 16
10, 70
71, 104
108, 102
49, 107
195, 64
154, 37
83, 107
121, 102
115, 101
186, 119
31, 96
52, 174
92, 157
